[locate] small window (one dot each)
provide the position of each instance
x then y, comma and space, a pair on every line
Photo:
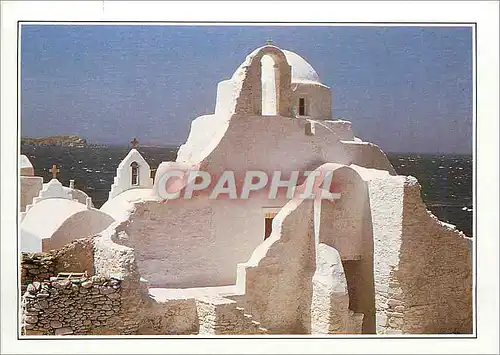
135, 173
268, 227
302, 106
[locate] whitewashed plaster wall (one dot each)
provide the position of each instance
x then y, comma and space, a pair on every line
330, 313
206, 132
343, 129
342, 220
68, 220
368, 155
194, 243
267, 142
270, 143
226, 95
438, 297
123, 179
277, 279
346, 225
422, 267
280, 143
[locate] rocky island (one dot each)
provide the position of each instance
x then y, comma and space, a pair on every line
59, 141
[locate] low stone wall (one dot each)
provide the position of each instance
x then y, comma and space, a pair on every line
92, 306
76, 256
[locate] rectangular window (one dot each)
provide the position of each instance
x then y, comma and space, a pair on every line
135, 174
135, 178
268, 227
302, 106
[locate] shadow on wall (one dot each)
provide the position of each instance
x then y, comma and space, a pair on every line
346, 225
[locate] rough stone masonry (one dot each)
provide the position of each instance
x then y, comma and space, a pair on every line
67, 307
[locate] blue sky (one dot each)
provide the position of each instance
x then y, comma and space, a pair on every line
407, 89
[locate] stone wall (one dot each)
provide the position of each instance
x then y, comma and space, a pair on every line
76, 256
92, 306
111, 303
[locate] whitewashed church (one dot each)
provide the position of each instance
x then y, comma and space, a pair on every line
373, 261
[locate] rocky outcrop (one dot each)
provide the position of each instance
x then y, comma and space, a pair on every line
58, 141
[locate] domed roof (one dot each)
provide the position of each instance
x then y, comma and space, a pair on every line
302, 71
45, 218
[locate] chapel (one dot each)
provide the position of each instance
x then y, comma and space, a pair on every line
373, 260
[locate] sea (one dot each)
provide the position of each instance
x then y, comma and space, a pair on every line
446, 180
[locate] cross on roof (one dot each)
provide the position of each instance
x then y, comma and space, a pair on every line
269, 41
54, 171
134, 143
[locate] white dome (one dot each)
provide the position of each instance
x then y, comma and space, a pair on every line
302, 71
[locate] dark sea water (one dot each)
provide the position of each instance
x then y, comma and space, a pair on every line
446, 179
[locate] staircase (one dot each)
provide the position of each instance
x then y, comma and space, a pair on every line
219, 315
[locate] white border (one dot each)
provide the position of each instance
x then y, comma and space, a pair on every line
484, 13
